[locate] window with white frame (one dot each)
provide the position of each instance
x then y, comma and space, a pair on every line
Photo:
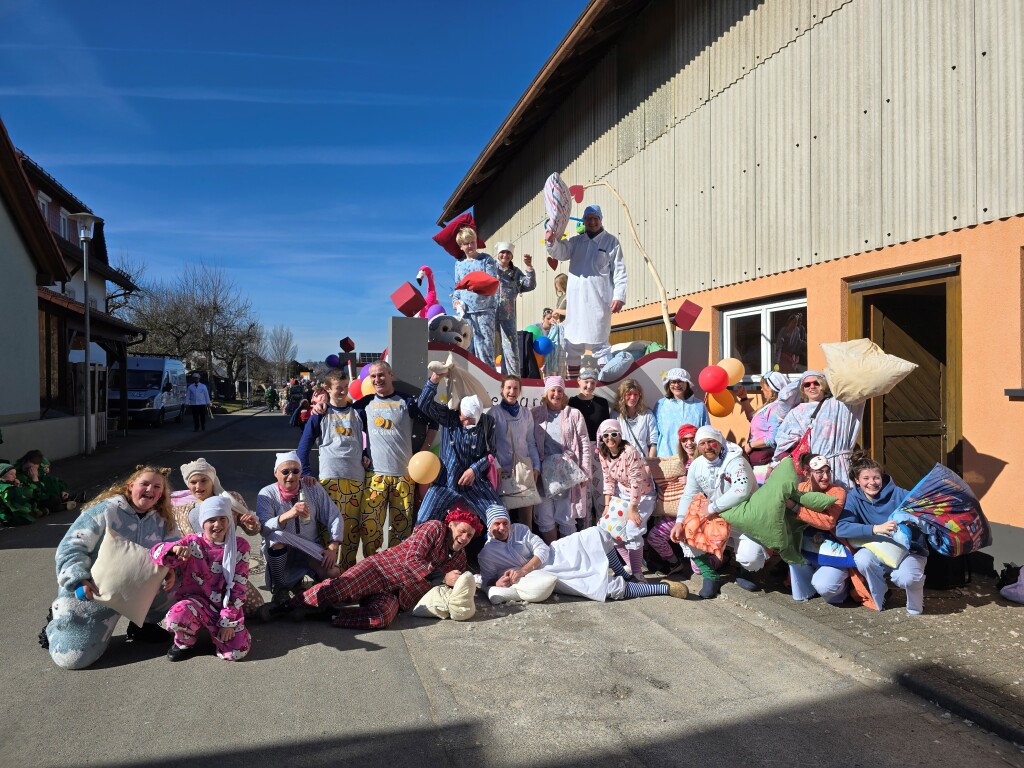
44, 206
65, 225
768, 336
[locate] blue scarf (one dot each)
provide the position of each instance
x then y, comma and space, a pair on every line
511, 408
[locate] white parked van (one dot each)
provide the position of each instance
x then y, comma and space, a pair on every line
156, 389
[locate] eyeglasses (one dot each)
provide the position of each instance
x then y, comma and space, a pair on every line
606, 435
287, 472
809, 384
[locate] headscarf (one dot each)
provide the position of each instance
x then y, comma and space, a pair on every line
587, 372
496, 512
775, 380
609, 425
818, 462
460, 513
710, 433
470, 407
593, 210
220, 506
816, 374
504, 246
553, 381
686, 429
5, 468
283, 458
678, 374
202, 467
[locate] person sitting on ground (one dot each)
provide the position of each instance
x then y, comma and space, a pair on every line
139, 509
810, 580
467, 441
57, 487
677, 407
30, 475
638, 425
866, 513
660, 536
16, 506
340, 432
213, 573
396, 578
203, 483
721, 473
625, 476
579, 562
291, 525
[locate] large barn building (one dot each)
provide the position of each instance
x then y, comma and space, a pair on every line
827, 168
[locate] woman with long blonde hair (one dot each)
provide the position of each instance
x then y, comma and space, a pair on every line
638, 426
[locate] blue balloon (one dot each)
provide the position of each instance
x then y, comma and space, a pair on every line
332, 361
543, 345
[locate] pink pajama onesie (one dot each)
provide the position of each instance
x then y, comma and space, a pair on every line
199, 594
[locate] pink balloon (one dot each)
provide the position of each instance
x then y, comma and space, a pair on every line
713, 379
434, 310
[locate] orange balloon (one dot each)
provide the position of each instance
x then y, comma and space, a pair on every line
721, 403
539, 358
497, 362
368, 387
734, 368
424, 467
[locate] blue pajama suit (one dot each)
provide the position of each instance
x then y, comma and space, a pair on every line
461, 449
511, 282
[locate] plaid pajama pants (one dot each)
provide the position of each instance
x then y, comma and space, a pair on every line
364, 582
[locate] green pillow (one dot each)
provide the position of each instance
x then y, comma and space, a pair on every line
764, 517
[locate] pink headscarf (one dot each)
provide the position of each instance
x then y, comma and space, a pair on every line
553, 381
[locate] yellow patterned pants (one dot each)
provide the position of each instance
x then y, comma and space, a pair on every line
348, 496
382, 492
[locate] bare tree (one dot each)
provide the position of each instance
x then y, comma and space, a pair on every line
281, 349
118, 297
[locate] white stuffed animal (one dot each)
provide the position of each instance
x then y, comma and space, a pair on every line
450, 330
458, 383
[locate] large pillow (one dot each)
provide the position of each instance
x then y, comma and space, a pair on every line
478, 282
633, 347
557, 204
461, 604
536, 586
446, 237
764, 517
708, 534
884, 548
666, 473
126, 577
614, 520
858, 370
616, 367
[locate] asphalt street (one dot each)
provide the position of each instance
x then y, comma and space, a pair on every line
650, 682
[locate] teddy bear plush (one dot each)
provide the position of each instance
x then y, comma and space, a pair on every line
450, 330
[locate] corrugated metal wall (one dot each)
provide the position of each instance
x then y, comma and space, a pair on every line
752, 137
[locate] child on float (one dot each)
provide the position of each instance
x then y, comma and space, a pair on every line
825, 580
659, 537
625, 475
213, 572
866, 513
677, 407
512, 281
478, 310
555, 360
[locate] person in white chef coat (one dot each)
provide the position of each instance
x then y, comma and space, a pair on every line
597, 287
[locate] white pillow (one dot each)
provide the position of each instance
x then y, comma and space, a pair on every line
461, 604
859, 370
536, 586
630, 346
126, 577
434, 604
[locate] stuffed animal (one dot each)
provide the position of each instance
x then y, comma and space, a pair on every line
450, 330
431, 298
458, 383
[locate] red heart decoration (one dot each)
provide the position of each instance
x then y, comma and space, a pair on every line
552, 262
576, 190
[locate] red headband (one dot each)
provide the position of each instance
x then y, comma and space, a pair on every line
687, 429
460, 514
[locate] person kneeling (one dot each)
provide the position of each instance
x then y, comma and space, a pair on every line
514, 559
396, 579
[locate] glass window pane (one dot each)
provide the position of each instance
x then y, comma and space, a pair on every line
789, 339
745, 342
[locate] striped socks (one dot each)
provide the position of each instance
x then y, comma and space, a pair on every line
645, 590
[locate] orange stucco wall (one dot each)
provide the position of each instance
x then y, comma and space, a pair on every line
991, 258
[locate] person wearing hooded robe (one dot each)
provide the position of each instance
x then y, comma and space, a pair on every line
291, 527
597, 286
834, 425
722, 474
213, 573
467, 440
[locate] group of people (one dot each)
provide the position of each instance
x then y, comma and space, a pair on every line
29, 490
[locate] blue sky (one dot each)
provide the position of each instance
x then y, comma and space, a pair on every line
307, 151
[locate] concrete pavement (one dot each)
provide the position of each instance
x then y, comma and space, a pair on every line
651, 682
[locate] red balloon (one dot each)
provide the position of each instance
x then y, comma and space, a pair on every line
355, 389
713, 379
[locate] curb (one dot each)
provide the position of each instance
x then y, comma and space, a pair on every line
957, 700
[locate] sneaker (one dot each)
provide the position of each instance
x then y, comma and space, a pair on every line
174, 653
676, 589
710, 589
743, 580
147, 633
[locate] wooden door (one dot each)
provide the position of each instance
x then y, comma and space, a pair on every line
908, 425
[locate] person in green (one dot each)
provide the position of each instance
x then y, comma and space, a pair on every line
54, 486
44, 502
272, 399
15, 504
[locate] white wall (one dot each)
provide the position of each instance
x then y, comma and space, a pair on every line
56, 438
19, 319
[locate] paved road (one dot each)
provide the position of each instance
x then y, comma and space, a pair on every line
652, 682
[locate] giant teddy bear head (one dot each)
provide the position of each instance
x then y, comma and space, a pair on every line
450, 330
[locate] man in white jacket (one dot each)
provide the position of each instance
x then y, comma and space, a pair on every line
597, 286
198, 398
722, 474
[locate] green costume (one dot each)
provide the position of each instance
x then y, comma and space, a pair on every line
16, 506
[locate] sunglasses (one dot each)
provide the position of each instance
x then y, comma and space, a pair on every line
287, 472
606, 435
809, 384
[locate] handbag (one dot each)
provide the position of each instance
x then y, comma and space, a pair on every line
560, 474
518, 489
803, 445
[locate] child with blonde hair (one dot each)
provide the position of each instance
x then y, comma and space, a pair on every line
479, 311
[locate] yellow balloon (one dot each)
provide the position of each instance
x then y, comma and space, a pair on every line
734, 368
423, 467
497, 362
721, 403
368, 387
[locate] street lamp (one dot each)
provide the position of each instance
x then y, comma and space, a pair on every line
86, 227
